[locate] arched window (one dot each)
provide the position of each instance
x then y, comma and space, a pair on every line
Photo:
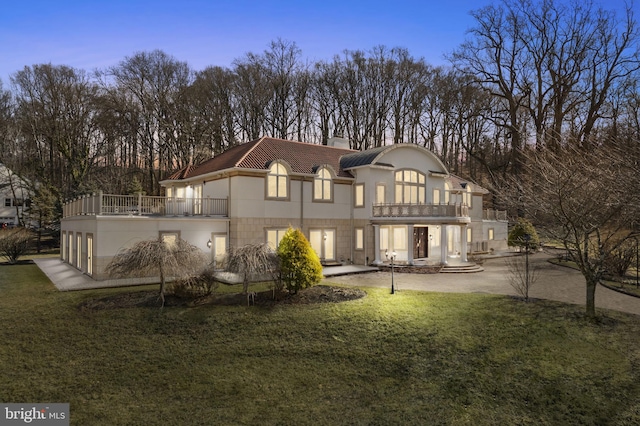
277, 181
410, 187
322, 185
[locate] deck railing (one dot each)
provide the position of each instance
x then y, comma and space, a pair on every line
499, 215
420, 210
143, 205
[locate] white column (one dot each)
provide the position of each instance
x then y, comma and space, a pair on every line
410, 243
444, 247
463, 237
376, 245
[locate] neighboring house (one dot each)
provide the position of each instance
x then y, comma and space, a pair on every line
14, 195
354, 207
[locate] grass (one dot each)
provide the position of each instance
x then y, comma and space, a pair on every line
410, 358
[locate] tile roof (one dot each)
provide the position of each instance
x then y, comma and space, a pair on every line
257, 154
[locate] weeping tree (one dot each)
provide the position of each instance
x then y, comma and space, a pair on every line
170, 259
252, 261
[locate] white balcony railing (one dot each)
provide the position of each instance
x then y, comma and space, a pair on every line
498, 215
142, 205
420, 210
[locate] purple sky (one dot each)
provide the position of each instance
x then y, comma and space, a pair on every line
96, 34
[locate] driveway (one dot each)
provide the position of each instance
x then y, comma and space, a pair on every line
554, 283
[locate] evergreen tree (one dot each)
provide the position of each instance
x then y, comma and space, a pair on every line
518, 232
299, 263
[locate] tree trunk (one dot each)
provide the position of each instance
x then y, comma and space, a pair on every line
591, 298
162, 285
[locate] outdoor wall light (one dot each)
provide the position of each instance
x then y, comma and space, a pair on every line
209, 243
391, 256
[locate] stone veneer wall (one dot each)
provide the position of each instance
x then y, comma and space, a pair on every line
253, 231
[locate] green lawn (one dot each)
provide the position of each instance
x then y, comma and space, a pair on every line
409, 358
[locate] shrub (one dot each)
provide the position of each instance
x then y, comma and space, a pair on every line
200, 285
619, 259
14, 243
518, 232
299, 264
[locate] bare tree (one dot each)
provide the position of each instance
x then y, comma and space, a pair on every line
169, 259
551, 65
149, 90
56, 113
522, 274
587, 199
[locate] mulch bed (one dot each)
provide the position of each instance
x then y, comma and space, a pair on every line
149, 298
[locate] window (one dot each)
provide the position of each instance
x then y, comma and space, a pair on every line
7, 202
169, 192
384, 238
468, 195
359, 195
359, 239
219, 248
277, 181
436, 196
197, 199
380, 194
70, 247
274, 236
469, 235
170, 237
447, 193
63, 249
491, 234
322, 185
79, 250
410, 187
323, 242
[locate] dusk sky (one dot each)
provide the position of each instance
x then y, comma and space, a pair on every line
98, 34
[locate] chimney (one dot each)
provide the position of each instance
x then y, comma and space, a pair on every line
338, 142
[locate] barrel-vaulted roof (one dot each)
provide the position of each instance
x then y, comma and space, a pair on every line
258, 154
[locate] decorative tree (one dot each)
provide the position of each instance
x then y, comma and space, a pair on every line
299, 264
174, 259
252, 260
519, 231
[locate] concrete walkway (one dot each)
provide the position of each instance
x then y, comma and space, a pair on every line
554, 283
68, 278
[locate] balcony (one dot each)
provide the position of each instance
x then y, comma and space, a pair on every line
142, 205
497, 215
420, 210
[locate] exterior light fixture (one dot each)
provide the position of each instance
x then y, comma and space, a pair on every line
391, 256
209, 243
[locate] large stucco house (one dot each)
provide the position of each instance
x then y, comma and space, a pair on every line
14, 195
353, 206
